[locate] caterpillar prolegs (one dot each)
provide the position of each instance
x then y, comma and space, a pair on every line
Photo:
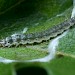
30, 38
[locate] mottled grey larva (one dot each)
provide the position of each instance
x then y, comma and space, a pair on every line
30, 38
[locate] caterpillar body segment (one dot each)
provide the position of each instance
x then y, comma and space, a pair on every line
30, 38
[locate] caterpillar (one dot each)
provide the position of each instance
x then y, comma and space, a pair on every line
38, 37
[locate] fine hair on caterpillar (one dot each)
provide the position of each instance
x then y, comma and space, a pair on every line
38, 37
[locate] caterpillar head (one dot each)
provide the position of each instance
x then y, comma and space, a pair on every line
6, 42
9, 41
13, 40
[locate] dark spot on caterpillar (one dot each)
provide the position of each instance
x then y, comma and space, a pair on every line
35, 43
